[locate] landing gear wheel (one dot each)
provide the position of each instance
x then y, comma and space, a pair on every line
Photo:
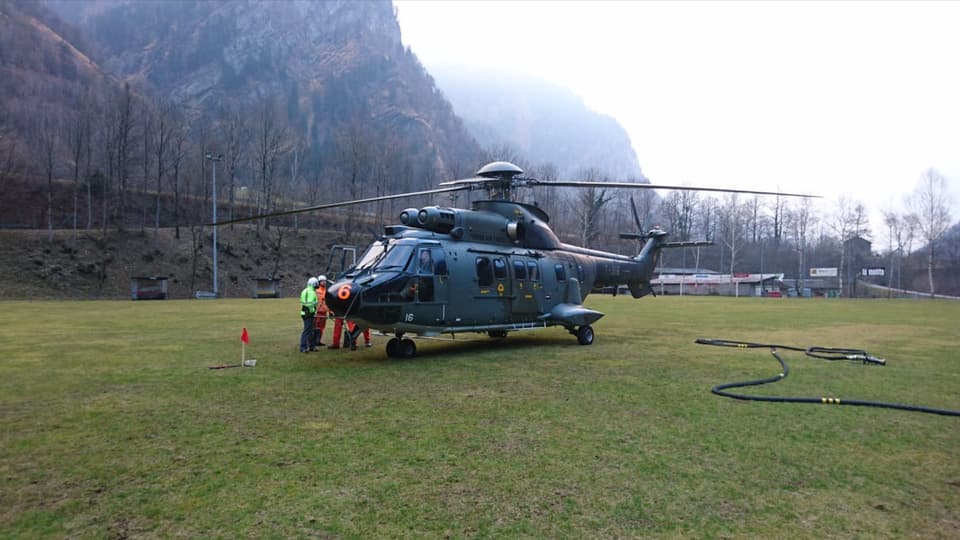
407, 348
393, 348
497, 333
585, 335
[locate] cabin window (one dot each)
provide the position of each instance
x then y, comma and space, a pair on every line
439, 262
499, 268
519, 270
561, 273
484, 272
533, 271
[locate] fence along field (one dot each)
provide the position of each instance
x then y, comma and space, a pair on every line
112, 425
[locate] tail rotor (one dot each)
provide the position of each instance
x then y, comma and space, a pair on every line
640, 235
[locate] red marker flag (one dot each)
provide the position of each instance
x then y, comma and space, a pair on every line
244, 337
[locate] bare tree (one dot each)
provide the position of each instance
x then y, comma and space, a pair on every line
275, 238
800, 219
296, 161
860, 223
548, 199
353, 155
163, 139
77, 130
147, 118
778, 209
753, 206
707, 224
235, 142
269, 140
47, 140
587, 206
733, 219
842, 223
178, 153
930, 201
124, 124
678, 209
896, 225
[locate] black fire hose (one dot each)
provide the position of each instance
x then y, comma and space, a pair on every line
824, 353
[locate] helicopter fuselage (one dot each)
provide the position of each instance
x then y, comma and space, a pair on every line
495, 268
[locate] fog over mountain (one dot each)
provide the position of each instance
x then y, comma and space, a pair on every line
546, 123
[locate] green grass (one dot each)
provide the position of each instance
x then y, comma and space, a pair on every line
113, 426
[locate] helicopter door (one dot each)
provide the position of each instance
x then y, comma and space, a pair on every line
493, 291
526, 280
432, 282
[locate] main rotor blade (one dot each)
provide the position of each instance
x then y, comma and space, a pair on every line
631, 185
342, 203
470, 181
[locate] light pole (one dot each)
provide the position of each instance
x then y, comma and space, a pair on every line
214, 159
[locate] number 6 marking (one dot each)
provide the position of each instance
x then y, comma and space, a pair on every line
344, 292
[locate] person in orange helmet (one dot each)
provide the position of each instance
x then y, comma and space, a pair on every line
320, 322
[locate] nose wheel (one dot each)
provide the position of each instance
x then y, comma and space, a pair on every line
401, 348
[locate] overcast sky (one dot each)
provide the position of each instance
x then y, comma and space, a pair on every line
854, 99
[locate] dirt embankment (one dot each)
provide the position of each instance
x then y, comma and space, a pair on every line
90, 266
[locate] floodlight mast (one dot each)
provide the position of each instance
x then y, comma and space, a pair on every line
214, 159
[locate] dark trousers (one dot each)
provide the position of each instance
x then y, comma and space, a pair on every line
306, 337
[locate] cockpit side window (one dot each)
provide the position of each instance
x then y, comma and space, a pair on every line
425, 261
439, 262
484, 272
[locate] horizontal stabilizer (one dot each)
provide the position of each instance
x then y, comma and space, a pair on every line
574, 314
632, 236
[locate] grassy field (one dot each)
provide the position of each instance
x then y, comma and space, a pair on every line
112, 426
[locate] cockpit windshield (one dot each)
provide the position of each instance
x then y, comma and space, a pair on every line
396, 258
370, 257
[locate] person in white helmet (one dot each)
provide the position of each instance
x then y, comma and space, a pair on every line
308, 311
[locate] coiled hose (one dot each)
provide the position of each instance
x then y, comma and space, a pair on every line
824, 353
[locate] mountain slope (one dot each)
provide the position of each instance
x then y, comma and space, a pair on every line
44, 69
328, 65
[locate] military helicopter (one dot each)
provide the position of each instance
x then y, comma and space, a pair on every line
495, 268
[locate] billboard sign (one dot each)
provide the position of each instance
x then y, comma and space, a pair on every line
873, 272
823, 272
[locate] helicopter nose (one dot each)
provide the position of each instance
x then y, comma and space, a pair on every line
343, 298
